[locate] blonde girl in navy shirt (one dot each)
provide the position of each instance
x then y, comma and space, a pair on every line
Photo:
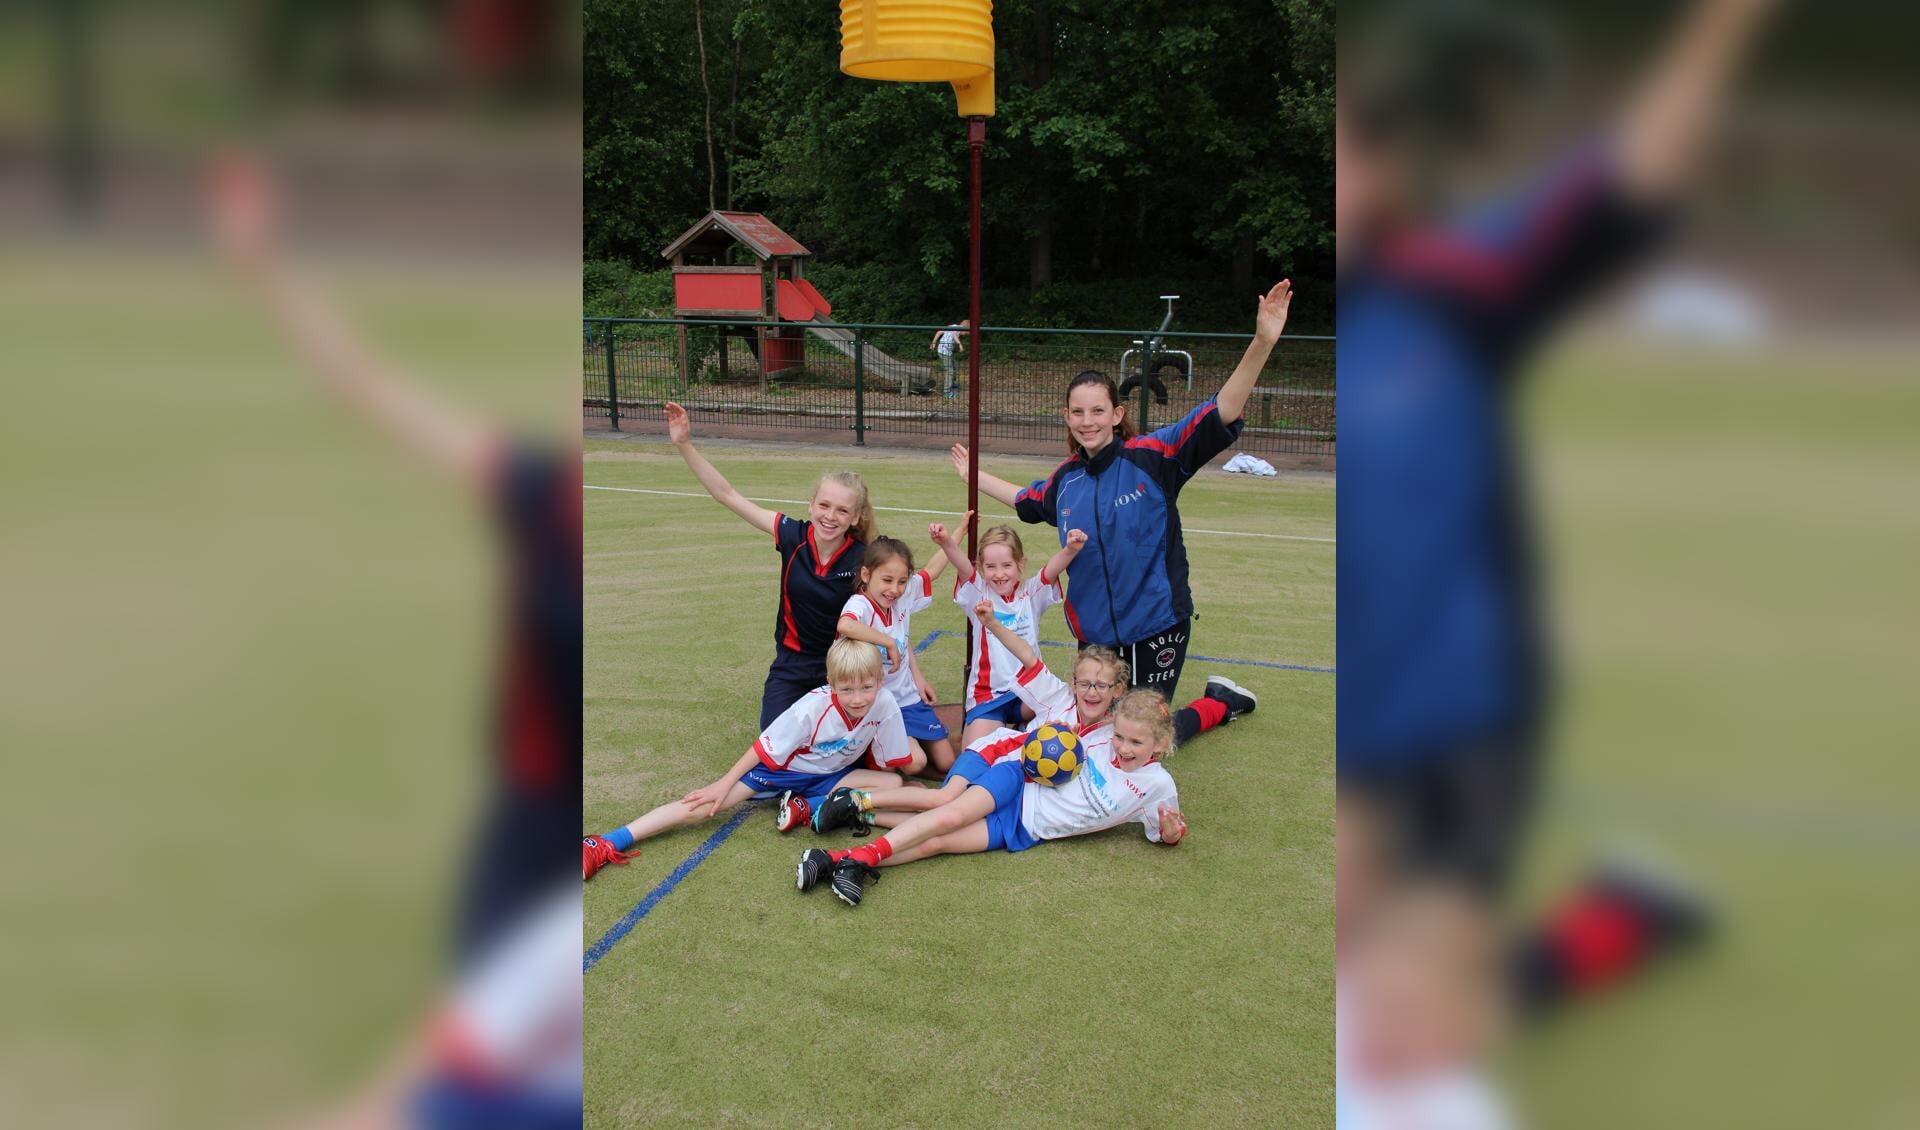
820, 558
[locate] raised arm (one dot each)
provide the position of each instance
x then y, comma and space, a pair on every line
245, 221
1270, 317
998, 489
942, 537
1009, 639
939, 563
1056, 566
1667, 121
866, 633
680, 431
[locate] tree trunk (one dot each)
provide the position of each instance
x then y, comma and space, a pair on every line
733, 118
1040, 253
1242, 262
1042, 43
1099, 232
700, 37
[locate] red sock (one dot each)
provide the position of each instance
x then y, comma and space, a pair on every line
1598, 940
1211, 712
871, 854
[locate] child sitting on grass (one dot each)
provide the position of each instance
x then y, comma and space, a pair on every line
810, 748
1120, 781
881, 613
1099, 676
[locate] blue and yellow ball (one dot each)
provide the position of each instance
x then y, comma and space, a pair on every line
1052, 755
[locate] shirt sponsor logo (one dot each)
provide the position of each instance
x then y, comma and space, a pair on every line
1135, 495
1098, 783
1010, 619
829, 748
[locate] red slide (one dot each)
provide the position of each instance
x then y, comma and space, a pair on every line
797, 301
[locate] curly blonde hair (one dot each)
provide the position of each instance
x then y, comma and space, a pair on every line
1148, 710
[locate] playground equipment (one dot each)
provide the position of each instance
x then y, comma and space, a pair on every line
774, 290
1153, 361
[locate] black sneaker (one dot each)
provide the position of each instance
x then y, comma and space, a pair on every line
1237, 699
814, 865
839, 810
1677, 916
848, 874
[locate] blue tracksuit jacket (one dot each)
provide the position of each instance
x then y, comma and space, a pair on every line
1130, 580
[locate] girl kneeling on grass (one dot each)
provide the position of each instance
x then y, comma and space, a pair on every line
809, 749
819, 558
1016, 604
881, 614
1099, 677
1119, 782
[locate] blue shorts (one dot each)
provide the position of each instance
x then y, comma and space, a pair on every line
1003, 708
969, 766
923, 725
1008, 784
767, 782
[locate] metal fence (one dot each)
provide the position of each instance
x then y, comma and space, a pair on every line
873, 382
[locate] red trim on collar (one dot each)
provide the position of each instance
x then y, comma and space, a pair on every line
820, 567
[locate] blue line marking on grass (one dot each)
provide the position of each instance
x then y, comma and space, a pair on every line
937, 633
625, 926
633, 917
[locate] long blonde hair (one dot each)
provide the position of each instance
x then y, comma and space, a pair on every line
863, 509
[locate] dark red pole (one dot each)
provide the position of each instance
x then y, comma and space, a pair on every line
976, 141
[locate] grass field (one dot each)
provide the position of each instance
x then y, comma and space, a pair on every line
1735, 541
1102, 981
251, 646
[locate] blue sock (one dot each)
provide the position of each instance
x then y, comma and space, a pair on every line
620, 838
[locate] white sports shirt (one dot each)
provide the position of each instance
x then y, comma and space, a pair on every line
917, 597
1100, 796
814, 735
992, 670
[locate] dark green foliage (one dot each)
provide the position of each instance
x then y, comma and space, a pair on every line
1140, 148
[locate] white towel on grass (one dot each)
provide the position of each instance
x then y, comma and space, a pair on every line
1244, 464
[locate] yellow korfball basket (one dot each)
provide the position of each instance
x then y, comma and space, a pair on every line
947, 41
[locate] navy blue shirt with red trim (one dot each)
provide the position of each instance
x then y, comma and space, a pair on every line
1439, 639
812, 590
1130, 580
535, 496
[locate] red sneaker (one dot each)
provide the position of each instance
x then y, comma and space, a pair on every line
792, 812
596, 853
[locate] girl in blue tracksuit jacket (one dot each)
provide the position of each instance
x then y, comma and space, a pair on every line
1128, 587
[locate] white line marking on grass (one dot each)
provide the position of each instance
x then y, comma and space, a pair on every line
940, 513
